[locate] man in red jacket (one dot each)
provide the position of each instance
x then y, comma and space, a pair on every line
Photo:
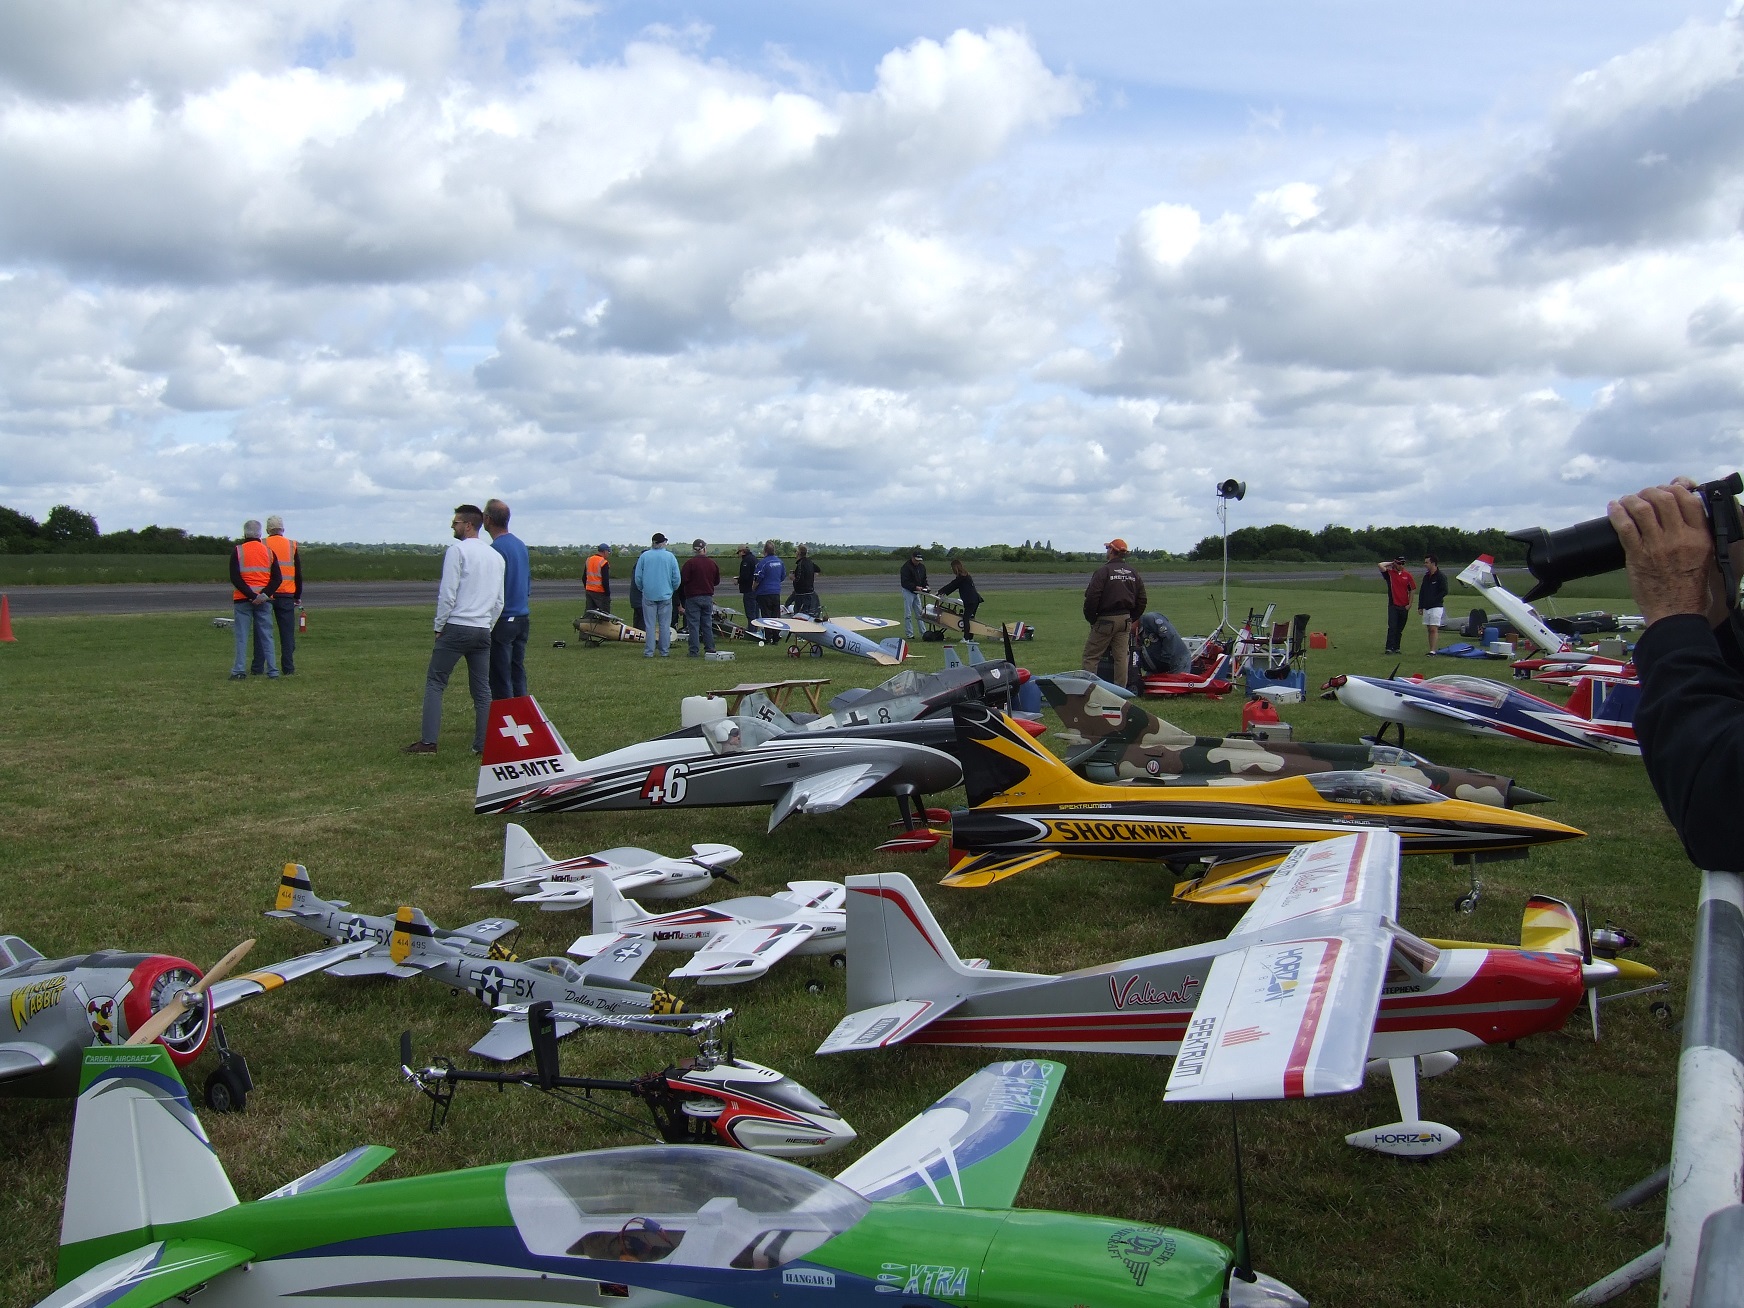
697, 580
1400, 584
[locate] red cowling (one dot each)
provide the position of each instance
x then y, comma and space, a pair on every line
152, 984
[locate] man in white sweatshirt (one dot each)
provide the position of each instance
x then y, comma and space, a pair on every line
467, 607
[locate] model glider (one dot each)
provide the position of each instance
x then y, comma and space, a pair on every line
473, 958
1597, 717
923, 1218
58, 1006
1116, 740
731, 940
1026, 808
528, 769
1563, 662
1316, 980
841, 635
556, 885
596, 628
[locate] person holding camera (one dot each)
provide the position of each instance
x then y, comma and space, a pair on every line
1691, 717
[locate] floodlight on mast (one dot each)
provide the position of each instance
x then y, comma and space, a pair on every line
1227, 490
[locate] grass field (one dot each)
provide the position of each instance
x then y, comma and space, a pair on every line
149, 803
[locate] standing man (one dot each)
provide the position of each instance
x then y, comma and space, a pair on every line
288, 598
914, 585
599, 579
1114, 597
1432, 599
1400, 584
467, 608
656, 576
767, 577
700, 575
254, 577
805, 574
748, 583
508, 655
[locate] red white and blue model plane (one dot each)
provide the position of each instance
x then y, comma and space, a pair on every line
1597, 717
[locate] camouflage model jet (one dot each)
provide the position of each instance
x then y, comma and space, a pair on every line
1118, 740
1026, 807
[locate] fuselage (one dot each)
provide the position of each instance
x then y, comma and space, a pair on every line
1481, 707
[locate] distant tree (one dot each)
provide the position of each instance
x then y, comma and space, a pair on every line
18, 530
65, 524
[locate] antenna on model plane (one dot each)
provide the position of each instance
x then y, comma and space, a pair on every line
1243, 1256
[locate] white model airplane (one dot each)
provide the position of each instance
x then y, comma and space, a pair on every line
557, 885
843, 636
733, 940
1565, 660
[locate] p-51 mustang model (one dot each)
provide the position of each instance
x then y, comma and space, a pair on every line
1315, 981
596, 629
1594, 717
730, 941
58, 1006
528, 769
1026, 807
1117, 740
841, 635
472, 958
924, 1218
562, 884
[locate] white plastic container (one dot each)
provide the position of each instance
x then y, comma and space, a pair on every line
694, 710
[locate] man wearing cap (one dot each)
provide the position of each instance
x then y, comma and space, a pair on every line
599, 579
254, 578
508, 656
288, 598
1114, 597
699, 576
1400, 584
914, 586
656, 576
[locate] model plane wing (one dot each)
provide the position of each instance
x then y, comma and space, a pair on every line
380, 963
825, 792
984, 869
579, 894
617, 955
487, 931
791, 626
144, 1278
340, 1173
865, 624
744, 954
24, 1058
1358, 872
886, 1024
233, 990
971, 1148
1445, 710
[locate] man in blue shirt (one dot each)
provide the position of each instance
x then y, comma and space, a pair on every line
656, 576
508, 652
766, 582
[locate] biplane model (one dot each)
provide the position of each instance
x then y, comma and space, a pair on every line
1316, 982
1598, 716
842, 635
1027, 808
924, 1216
945, 613
557, 885
596, 628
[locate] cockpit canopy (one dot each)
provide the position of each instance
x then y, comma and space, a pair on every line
688, 1207
736, 735
1370, 788
1481, 689
14, 951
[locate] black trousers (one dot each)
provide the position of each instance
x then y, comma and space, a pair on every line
1397, 616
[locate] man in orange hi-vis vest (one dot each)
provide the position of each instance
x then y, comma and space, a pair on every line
599, 579
254, 577
289, 596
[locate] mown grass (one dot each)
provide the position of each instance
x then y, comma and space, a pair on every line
149, 803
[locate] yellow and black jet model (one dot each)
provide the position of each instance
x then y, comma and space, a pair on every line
1026, 807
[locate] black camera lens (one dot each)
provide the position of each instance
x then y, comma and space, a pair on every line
1583, 550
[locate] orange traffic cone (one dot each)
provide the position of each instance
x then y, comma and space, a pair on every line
6, 620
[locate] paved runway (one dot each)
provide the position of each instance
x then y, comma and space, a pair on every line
197, 597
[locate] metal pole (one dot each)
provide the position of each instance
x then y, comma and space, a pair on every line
1707, 1143
1223, 521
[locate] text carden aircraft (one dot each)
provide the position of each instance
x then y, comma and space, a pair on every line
1114, 739
556, 885
1597, 716
1316, 980
922, 1219
1027, 807
528, 769
841, 635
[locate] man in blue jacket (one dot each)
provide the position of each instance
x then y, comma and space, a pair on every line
656, 576
508, 652
766, 582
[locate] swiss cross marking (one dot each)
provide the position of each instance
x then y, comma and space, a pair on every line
512, 728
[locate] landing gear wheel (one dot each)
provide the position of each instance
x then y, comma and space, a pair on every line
225, 1092
1467, 903
817, 651
838, 960
793, 651
1662, 1010
814, 987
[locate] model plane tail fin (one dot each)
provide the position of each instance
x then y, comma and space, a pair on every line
522, 752
896, 647
1001, 761
896, 948
522, 857
612, 913
140, 1158
413, 942
296, 893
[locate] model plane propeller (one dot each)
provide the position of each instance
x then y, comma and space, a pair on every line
183, 1000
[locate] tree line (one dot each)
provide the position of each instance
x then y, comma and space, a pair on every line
1279, 543
67, 530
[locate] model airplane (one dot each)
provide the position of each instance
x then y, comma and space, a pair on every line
1476, 706
1564, 661
472, 958
730, 941
945, 613
923, 1218
596, 628
841, 635
713, 1098
1315, 981
1026, 807
58, 1006
1117, 740
528, 769
908, 696
563, 884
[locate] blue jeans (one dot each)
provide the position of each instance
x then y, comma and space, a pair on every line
454, 643
699, 622
911, 605
657, 618
258, 616
508, 656
284, 609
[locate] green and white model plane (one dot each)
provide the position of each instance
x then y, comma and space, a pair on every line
922, 1219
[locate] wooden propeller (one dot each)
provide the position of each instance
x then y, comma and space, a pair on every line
171, 1013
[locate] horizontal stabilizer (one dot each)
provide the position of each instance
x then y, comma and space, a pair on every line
511, 1037
347, 1170
143, 1278
971, 1148
379, 964
744, 954
984, 869
887, 1024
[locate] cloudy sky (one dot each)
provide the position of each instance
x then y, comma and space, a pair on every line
966, 271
